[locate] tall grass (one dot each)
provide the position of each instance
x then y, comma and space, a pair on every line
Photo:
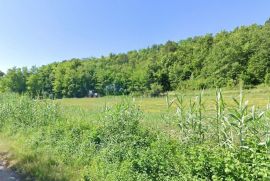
225, 125
52, 142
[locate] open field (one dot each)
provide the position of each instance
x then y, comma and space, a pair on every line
154, 109
210, 137
259, 97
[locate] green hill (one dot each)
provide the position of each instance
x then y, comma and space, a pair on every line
221, 60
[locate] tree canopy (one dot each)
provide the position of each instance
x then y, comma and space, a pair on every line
221, 60
1, 73
268, 21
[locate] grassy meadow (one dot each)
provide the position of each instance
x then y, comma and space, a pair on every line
259, 97
191, 135
155, 107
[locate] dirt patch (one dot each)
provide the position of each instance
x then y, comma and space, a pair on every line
6, 173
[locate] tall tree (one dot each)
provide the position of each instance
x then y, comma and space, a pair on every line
15, 80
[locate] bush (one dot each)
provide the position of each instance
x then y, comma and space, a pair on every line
155, 90
267, 79
65, 144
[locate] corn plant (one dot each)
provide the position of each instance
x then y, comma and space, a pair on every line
190, 120
266, 128
223, 130
199, 115
245, 122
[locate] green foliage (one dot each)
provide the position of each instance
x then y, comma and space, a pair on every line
267, 79
15, 80
1, 73
69, 144
223, 60
155, 90
267, 22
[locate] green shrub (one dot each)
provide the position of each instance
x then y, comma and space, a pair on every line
68, 144
267, 79
155, 90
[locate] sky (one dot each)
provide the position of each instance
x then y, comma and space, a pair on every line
38, 32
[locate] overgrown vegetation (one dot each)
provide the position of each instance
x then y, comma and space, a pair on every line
221, 60
59, 143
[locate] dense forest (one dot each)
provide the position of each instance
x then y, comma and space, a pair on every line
221, 60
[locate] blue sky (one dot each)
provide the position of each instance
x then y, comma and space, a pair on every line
37, 32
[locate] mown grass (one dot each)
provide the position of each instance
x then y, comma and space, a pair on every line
111, 139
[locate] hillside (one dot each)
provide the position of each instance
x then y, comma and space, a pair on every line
221, 60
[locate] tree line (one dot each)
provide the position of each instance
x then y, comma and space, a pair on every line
221, 60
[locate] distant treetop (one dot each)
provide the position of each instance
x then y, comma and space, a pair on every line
1, 73
267, 22
226, 59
